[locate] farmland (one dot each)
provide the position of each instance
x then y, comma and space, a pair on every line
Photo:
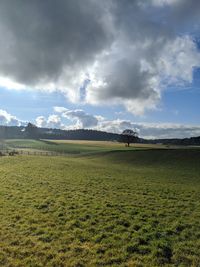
76, 147
65, 147
105, 205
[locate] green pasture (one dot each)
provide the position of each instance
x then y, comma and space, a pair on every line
76, 147
119, 208
67, 147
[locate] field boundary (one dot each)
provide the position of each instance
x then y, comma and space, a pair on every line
31, 152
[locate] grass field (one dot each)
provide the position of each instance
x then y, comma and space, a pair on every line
76, 147
117, 208
67, 147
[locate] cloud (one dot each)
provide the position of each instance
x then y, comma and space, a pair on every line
68, 119
41, 121
164, 2
48, 44
7, 119
53, 121
151, 130
117, 52
60, 109
82, 119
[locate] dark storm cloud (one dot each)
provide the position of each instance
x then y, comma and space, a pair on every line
126, 50
39, 38
186, 10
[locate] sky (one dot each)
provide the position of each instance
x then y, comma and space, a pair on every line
107, 65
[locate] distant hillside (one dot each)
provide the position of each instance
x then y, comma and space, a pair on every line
192, 141
33, 132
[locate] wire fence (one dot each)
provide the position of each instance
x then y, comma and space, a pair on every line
14, 152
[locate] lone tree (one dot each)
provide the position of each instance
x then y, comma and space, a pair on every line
128, 136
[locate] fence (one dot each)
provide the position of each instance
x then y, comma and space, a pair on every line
13, 152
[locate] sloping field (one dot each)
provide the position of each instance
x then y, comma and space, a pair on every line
77, 147
118, 208
62, 146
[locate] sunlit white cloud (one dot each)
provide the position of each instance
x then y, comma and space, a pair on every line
52, 121
9, 120
80, 117
41, 121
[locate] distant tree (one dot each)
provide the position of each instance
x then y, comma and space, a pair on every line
128, 136
31, 131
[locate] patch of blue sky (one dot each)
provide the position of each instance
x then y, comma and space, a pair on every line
27, 105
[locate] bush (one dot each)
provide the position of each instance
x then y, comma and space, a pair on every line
12, 153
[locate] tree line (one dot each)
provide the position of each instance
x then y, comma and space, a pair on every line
128, 136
